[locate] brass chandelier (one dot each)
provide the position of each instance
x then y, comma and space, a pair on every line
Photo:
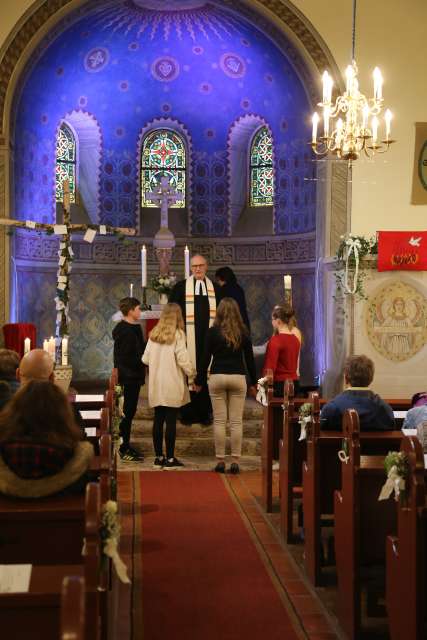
351, 125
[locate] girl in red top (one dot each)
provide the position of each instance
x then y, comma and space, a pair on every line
283, 349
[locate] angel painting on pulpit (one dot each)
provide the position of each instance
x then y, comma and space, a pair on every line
397, 324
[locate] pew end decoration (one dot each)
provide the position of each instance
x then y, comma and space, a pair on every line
352, 254
397, 469
304, 418
117, 413
110, 537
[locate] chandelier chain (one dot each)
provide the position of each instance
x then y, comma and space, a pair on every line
353, 33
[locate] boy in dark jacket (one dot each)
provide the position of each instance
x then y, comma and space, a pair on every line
129, 346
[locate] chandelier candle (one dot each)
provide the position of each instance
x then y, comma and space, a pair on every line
143, 266
131, 290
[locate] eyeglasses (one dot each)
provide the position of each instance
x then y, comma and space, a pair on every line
198, 266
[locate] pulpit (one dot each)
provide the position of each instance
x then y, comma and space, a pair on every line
15, 334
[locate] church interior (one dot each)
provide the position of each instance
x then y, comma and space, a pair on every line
135, 137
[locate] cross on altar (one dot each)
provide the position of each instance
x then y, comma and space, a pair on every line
65, 253
165, 196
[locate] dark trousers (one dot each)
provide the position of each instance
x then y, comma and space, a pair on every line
162, 415
200, 407
130, 402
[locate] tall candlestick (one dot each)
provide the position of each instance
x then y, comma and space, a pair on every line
131, 290
288, 282
143, 266
52, 347
27, 345
64, 351
187, 262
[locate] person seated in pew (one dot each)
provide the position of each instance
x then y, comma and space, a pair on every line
9, 361
41, 451
374, 413
418, 411
38, 365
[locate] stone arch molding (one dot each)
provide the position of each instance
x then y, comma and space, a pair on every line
88, 137
181, 129
239, 140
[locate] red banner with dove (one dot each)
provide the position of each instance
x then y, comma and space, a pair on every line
402, 250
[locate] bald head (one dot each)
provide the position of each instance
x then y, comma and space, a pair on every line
35, 365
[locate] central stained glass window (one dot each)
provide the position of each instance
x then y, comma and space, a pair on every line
65, 168
163, 154
261, 169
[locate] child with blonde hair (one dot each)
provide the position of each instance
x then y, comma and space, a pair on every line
168, 361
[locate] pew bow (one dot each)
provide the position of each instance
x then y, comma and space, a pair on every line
261, 395
395, 482
353, 246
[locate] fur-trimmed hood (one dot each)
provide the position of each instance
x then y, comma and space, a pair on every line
12, 485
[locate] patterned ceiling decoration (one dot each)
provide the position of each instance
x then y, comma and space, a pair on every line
191, 19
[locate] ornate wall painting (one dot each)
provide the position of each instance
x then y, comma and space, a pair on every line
419, 175
396, 321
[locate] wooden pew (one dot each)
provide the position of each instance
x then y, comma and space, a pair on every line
114, 379
36, 614
292, 453
322, 476
361, 526
50, 530
73, 608
406, 553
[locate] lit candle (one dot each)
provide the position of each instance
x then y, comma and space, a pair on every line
327, 87
378, 84
51, 348
46, 345
187, 262
349, 74
27, 345
315, 120
143, 266
288, 282
387, 116
64, 351
131, 290
374, 129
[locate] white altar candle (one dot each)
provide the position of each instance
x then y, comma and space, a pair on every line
131, 290
187, 262
27, 345
288, 282
52, 348
46, 345
64, 351
143, 266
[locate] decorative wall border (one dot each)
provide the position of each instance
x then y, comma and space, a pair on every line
267, 251
167, 122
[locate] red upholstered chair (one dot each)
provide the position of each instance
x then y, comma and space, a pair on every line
15, 334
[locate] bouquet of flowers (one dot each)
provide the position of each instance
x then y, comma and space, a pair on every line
164, 283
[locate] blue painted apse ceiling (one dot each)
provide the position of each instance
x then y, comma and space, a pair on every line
129, 62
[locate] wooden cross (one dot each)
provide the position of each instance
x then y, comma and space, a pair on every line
65, 252
165, 196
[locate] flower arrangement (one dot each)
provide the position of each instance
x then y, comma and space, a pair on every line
117, 412
350, 274
397, 470
164, 283
110, 537
304, 417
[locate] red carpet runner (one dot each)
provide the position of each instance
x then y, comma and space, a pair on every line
202, 575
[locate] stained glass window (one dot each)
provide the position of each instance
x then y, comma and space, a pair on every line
261, 169
65, 168
163, 154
